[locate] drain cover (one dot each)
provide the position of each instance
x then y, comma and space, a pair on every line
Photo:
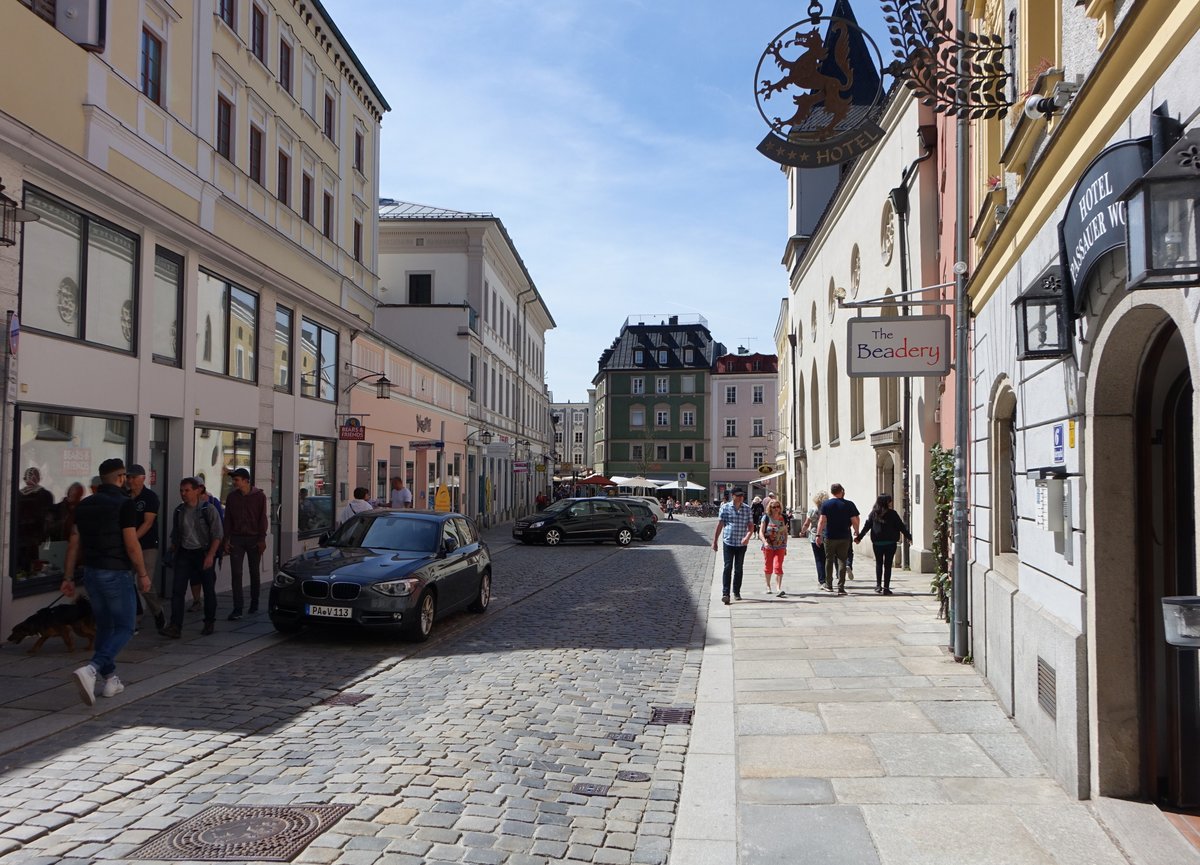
622, 737
239, 833
629, 775
590, 789
345, 698
664, 715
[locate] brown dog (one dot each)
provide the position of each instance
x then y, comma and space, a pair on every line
58, 621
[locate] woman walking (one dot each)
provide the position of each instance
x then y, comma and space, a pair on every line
886, 527
809, 527
756, 512
774, 533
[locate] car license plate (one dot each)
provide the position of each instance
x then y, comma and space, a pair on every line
330, 612
518, 531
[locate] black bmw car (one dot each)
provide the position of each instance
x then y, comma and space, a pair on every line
388, 568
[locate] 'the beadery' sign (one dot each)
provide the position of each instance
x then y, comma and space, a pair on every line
913, 345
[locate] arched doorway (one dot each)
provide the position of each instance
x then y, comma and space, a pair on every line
1146, 695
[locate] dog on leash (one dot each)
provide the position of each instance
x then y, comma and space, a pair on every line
58, 621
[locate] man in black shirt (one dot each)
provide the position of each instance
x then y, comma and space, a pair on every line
105, 535
836, 529
145, 502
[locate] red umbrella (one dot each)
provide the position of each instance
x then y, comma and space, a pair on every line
596, 480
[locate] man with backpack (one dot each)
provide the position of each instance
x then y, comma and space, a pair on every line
196, 535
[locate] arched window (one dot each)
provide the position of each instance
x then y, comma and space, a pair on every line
831, 385
1004, 473
889, 388
815, 408
801, 402
857, 420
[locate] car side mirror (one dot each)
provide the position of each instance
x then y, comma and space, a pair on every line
323, 540
448, 546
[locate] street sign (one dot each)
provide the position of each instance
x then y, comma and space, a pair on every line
427, 445
352, 430
1060, 453
520, 467
914, 345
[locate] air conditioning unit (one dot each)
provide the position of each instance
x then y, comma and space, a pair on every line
83, 22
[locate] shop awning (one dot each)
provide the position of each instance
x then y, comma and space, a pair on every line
771, 475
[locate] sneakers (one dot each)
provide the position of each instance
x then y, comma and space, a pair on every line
195, 607
770, 591
886, 592
208, 628
736, 596
879, 590
725, 600
234, 616
85, 678
849, 573
782, 594
825, 587
842, 592
112, 686
171, 631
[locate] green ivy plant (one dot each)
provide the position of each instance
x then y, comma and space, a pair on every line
941, 468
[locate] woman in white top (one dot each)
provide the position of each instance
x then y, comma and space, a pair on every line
356, 505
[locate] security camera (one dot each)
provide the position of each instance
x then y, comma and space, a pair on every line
1041, 107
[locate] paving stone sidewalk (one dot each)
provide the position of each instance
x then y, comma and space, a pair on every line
847, 735
466, 751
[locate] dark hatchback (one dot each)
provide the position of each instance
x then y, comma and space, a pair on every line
595, 519
385, 568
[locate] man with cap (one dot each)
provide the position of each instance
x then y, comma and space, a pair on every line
145, 502
245, 534
105, 536
733, 530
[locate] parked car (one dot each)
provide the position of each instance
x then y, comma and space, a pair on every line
385, 568
584, 519
651, 502
645, 521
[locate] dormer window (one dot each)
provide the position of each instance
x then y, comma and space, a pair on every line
639, 357
662, 356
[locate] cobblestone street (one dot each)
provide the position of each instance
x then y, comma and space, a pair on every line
465, 749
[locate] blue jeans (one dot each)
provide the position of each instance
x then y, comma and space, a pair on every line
734, 557
114, 604
189, 568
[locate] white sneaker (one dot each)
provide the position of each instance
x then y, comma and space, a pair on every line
112, 686
85, 678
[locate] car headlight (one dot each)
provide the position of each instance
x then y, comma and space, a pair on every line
396, 588
284, 579
537, 525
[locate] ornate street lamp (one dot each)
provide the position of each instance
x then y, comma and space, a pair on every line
383, 387
1161, 229
1043, 319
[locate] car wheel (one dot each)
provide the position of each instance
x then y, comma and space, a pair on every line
624, 537
649, 533
286, 626
553, 537
422, 626
484, 596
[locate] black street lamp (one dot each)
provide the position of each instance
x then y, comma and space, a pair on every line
1161, 229
1043, 318
10, 214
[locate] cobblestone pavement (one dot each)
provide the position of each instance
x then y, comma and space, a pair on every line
465, 749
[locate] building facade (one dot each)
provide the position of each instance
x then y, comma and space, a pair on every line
455, 290
1083, 437
652, 392
203, 177
574, 433
743, 431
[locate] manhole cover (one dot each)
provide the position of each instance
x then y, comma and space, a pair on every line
240, 833
629, 775
590, 789
664, 715
345, 698
622, 737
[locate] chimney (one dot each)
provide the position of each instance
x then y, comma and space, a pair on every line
673, 320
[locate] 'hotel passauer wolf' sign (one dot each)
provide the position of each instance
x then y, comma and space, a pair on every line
913, 345
819, 93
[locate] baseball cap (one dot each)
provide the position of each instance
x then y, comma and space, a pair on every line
135, 470
240, 473
739, 492
111, 465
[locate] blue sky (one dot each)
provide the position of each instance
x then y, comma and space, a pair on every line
615, 140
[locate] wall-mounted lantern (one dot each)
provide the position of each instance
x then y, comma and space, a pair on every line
1162, 233
10, 214
1043, 318
1181, 621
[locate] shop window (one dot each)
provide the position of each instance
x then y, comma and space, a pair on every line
228, 340
57, 455
168, 301
318, 361
283, 349
218, 452
317, 467
79, 275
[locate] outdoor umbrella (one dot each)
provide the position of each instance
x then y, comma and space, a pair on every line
596, 481
639, 483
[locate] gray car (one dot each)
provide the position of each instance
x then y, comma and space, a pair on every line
386, 569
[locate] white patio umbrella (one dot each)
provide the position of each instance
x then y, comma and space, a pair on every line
638, 483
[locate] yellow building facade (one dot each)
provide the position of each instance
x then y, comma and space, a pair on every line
203, 175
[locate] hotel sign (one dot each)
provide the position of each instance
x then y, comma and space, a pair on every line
1094, 222
913, 345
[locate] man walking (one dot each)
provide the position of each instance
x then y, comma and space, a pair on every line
105, 534
196, 535
838, 524
146, 503
245, 534
733, 530
400, 496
